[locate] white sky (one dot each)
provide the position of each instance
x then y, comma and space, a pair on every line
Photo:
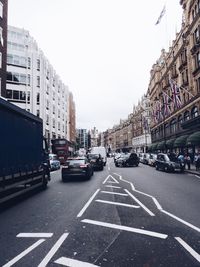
102, 49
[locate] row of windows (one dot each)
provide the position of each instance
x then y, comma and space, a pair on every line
15, 46
18, 78
18, 95
16, 60
175, 124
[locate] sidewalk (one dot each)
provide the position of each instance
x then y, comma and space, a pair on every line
192, 170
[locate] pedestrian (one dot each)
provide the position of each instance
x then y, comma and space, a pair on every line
188, 161
197, 161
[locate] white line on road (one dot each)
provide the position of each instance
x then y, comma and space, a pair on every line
181, 220
53, 250
112, 186
73, 263
154, 199
132, 186
35, 235
188, 248
197, 176
88, 203
140, 203
24, 253
111, 180
117, 203
126, 228
114, 193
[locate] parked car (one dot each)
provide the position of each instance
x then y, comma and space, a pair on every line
117, 156
152, 160
146, 158
96, 161
168, 163
77, 167
130, 159
54, 162
141, 157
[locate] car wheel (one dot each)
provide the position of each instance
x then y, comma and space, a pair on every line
157, 167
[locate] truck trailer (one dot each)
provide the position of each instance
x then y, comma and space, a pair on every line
24, 163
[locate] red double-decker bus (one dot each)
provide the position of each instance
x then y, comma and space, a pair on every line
62, 148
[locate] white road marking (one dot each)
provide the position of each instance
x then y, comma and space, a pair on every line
35, 235
53, 250
181, 220
112, 186
188, 248
197, 176
111, 180
126, 228
114, 193
73, 263
120, 177
117, 203
154, 199
140, 203
24, 253
88, 203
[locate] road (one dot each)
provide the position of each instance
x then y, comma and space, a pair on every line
122, 217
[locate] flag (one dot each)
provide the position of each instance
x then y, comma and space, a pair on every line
175, 93
145, 123
159, 114
161, 15
167, 110
154, 115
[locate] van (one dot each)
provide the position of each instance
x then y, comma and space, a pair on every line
100, 150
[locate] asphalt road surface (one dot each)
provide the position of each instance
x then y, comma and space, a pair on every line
122, 217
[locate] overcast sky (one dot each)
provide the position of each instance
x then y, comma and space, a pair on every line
102, 49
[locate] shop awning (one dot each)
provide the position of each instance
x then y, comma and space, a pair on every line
154, 146
161, 145
193, 139
170, 143
180, 141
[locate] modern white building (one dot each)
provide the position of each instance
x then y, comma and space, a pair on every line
33, 84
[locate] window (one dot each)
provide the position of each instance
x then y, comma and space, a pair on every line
47, 90
22, 95
47, 104
173, 126
1, 10
38, 113
29, 62
0, 60
196, 36
29, 79
54, 109
197, 60
28, 97
47, 119
38, 81
16, 77
38, 64
186, 116
54, 123
15, 94
38, 98
9, 94
194, 112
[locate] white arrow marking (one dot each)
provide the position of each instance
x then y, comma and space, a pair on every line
114, 193
126, 228
140, 203
53, 250
111, 180
188, 248
73, 263
88, 203
24, 253
117, 203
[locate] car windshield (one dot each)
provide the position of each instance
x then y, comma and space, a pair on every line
93, 156
53, 157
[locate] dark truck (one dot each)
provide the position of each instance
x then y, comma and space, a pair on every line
24, 163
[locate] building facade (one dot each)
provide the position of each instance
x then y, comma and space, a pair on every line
82, 139
33, 84
3, 45
174, 89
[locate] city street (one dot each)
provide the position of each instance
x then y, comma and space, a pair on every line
134, 216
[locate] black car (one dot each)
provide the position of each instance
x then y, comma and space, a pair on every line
96, 160
130, 159
77, 167
168, 163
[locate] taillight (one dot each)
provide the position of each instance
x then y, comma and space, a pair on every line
65, 166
